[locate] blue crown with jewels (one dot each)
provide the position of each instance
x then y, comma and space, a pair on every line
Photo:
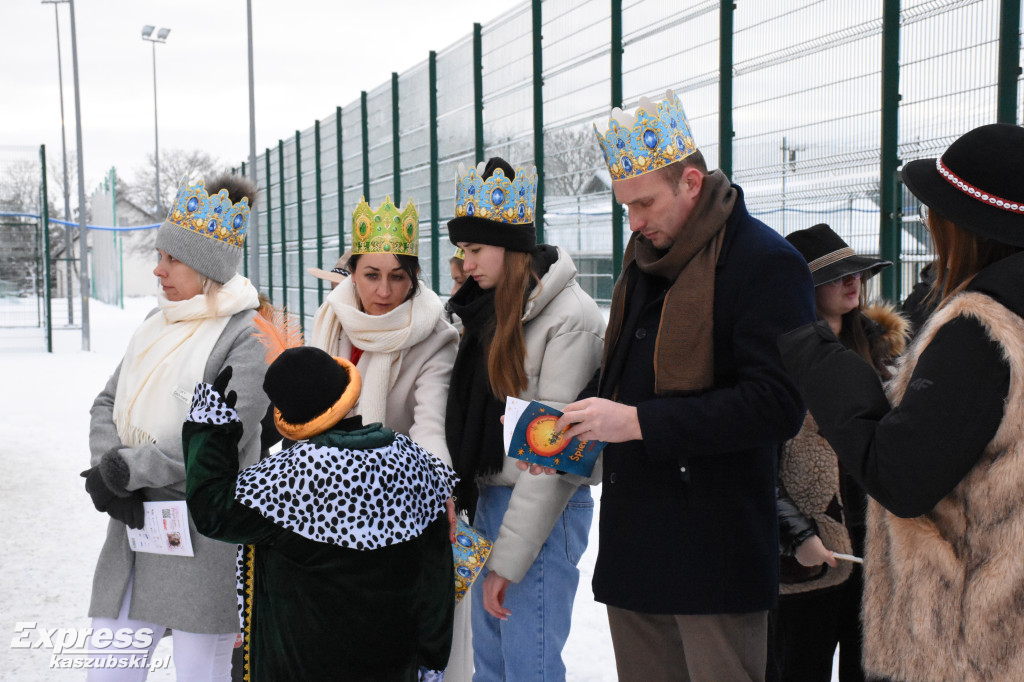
497, 198
656, 135
211, 216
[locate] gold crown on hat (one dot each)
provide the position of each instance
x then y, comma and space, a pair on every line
385, 230
211, 216
654, 136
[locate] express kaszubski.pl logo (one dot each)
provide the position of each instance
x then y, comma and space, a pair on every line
82, 648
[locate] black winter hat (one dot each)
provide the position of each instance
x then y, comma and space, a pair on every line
310, 390
976, 183
829, 257
477, 230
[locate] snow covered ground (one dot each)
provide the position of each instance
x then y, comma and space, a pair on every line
51, 533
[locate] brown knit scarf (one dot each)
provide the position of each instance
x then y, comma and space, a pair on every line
684, 350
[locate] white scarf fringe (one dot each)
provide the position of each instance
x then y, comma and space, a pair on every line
383, 338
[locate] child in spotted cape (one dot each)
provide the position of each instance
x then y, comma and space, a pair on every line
348, 573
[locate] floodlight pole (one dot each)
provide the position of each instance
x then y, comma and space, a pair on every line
160, 38
83, 236
64, 165
253, 233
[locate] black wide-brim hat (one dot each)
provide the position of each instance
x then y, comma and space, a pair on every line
829, 257
976, 183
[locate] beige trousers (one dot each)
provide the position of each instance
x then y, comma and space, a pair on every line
730, 647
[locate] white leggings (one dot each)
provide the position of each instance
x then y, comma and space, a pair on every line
197, 657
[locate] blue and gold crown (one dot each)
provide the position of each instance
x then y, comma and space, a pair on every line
651, 138
469, 552
385, 230
497, 198
211, 216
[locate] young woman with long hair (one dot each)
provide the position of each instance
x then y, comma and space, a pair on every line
941, 450
531, 333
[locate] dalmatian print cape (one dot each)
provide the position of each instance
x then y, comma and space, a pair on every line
358, 499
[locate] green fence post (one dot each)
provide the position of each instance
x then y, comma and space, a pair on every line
395, 141
890, 226
725, 131
478, 91
538, 116
341, 185
284, 221
366, 146
298, 225
1009, 61
616, 80
245, 244
45, 213
319, 213
435, 197
270, 246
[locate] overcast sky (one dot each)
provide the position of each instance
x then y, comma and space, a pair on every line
309, 57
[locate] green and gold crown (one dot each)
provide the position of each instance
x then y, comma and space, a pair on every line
385, 230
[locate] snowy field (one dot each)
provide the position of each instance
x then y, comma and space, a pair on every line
52, 534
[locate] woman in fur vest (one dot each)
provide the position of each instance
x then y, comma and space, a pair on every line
821, 507
941, 452
204, 323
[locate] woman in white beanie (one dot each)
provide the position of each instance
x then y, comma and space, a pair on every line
203, 323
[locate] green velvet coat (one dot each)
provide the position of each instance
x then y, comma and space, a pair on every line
320, 611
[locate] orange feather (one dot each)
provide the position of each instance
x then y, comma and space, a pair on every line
278, 331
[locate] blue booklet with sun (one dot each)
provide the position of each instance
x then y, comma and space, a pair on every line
530, 436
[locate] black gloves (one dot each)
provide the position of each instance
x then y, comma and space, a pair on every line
101, 495
128, 510
221, 383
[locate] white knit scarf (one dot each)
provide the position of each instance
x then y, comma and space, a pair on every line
383, 338
166, 356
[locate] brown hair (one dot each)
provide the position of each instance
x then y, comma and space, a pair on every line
409, 264
674, 171
961, 256
506, 356
853, 336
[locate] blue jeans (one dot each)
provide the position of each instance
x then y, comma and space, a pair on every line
528, 646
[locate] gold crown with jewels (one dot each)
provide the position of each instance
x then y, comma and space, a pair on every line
652, 137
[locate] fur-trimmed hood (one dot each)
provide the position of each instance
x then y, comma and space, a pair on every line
888, 333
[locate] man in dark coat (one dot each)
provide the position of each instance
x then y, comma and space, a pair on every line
693, 399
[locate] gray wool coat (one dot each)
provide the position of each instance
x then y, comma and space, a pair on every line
191, 594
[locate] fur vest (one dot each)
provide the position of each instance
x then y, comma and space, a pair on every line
809, 468
943, 591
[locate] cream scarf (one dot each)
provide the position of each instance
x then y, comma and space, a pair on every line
384, 338
166, 356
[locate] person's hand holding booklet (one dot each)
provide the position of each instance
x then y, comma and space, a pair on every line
530, 436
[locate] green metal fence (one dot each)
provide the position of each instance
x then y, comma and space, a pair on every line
810, 105
27, 268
